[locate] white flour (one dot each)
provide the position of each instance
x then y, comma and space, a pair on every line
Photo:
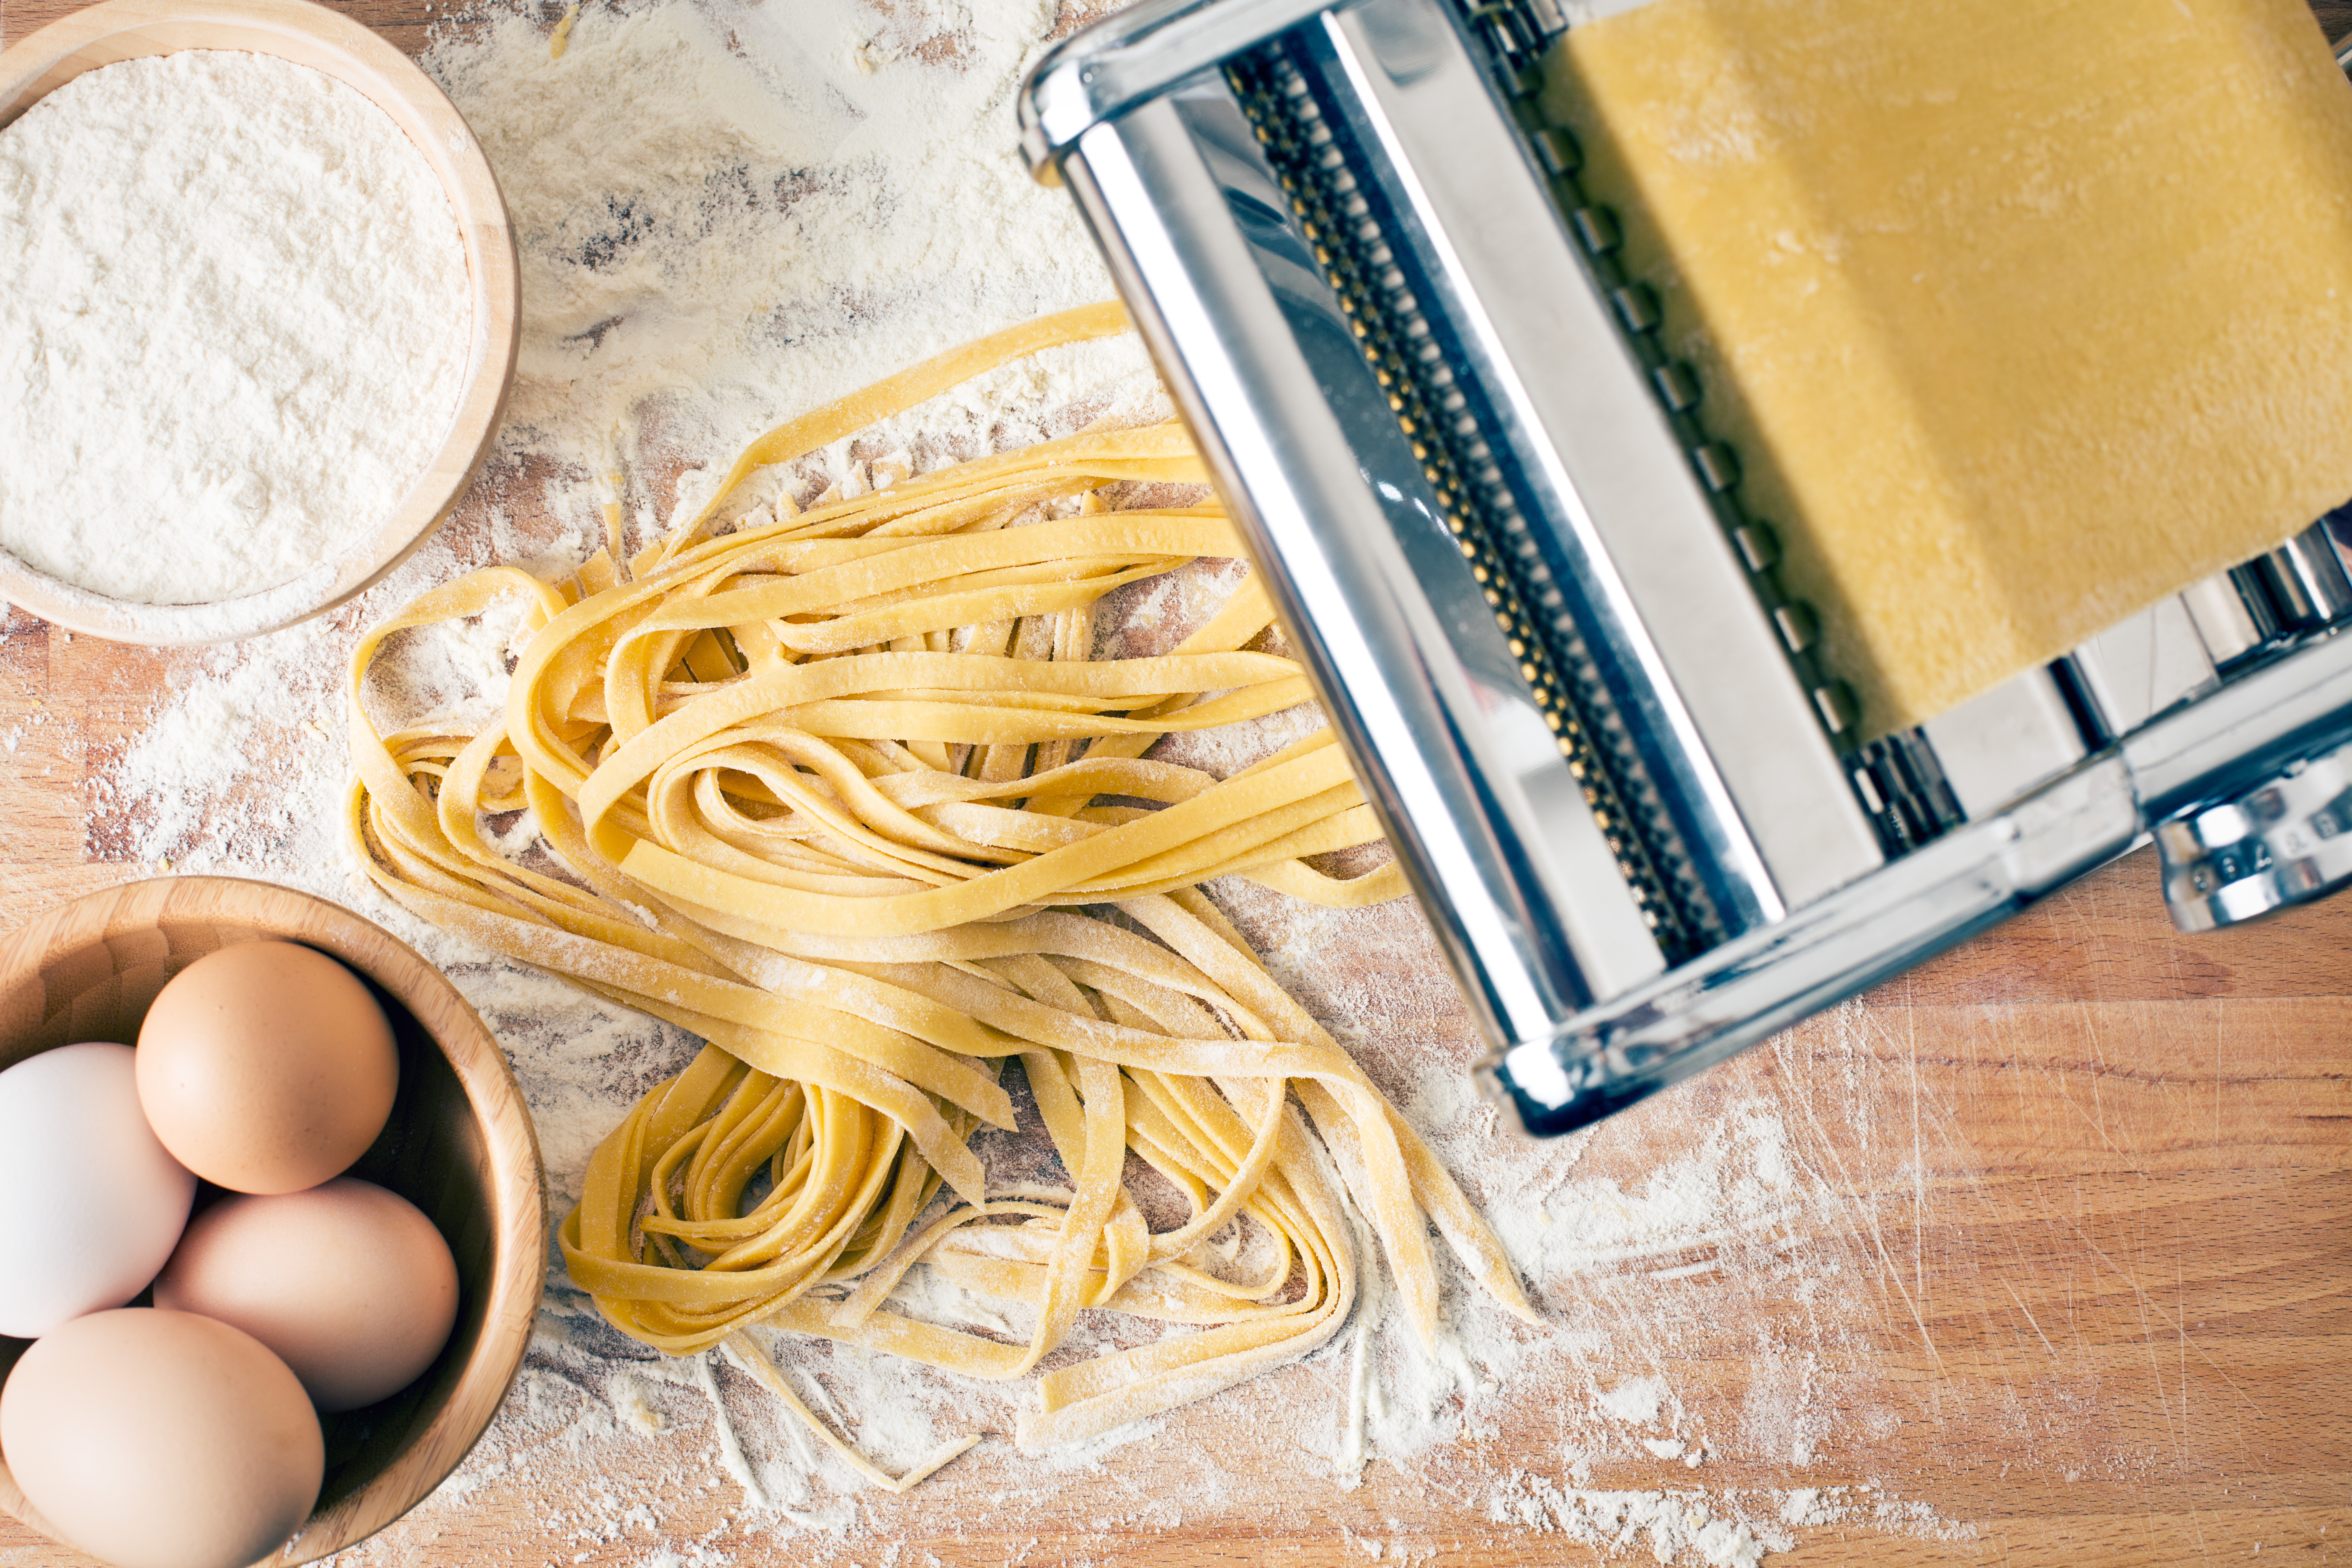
1636, 1242
235, 325
731, 213
1611, 1429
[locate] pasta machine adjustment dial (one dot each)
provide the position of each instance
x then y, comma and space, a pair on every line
2287, 842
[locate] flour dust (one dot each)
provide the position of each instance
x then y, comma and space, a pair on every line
729, 213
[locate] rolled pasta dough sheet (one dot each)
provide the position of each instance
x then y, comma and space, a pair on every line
2021, 316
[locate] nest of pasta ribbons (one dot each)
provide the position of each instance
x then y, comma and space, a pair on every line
833, 790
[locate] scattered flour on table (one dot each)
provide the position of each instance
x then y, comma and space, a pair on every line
1628, 1273
732, 214
720, 228
1609, 1261
235, 326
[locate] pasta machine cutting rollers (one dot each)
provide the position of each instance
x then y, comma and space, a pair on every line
1635, 805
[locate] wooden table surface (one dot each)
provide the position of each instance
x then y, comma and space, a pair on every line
2079, 1288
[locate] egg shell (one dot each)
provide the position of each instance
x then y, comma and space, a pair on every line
350, 1284
266, 1066
158, 1440
95, 1202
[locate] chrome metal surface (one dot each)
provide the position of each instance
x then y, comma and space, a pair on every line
1997, 747
2221, 719
2250, 730
2285, 843
2145, 666
1901, 784
2274, 748
2248, 789
1142, 52
1667, 603
1493, 832
1364, 235
2226, 623
2337, 526
2304, 582
1741, 993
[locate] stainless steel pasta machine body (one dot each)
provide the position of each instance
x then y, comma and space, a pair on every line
1486, 502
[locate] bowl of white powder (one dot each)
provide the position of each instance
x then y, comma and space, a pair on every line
260, 319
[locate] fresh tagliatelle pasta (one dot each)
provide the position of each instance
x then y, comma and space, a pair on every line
844, 792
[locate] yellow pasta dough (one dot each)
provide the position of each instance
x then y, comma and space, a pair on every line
2020, 317
832, 791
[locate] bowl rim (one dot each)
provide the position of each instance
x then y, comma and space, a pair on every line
517, 1181
307, 34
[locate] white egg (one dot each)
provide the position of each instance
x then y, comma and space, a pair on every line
95, 1202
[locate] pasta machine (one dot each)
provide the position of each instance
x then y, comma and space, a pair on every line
1637, 810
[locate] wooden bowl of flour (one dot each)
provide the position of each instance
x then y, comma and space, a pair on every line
458, 1144
308, 35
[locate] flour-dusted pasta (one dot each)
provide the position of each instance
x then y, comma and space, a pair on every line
833, 790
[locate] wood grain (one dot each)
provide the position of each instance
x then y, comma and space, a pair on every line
458, 1144
2077, 1285
320, 37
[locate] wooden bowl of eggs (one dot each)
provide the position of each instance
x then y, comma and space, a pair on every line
401, 1131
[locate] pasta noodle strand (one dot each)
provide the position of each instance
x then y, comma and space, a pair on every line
845, 793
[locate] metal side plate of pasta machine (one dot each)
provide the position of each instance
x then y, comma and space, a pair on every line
1595, 728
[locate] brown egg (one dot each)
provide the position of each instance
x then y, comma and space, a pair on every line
266, 1068
159, 1439
350, 1284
